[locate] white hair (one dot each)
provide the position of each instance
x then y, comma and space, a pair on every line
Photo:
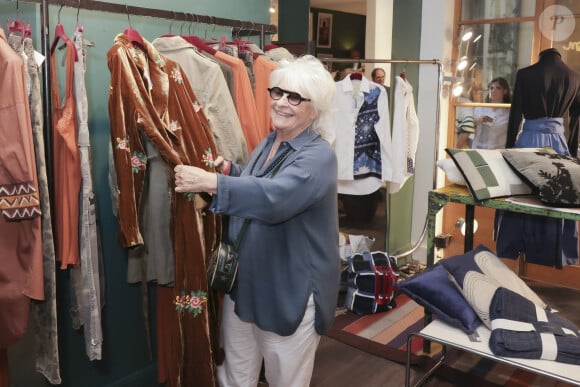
308, 76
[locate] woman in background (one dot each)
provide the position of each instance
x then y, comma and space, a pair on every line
492, 122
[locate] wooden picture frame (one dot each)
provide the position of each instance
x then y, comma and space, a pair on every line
324, 30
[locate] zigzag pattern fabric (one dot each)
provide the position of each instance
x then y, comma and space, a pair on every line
19, 201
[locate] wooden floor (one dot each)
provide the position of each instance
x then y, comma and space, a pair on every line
340, 365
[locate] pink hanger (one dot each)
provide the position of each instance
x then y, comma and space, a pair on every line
133, 35
59, 34
19, 27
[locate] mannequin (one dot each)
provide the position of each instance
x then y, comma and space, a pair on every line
544, 93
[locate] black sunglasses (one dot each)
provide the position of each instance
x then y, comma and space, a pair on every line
294, 98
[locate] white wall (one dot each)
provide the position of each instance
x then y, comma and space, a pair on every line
378, 34
436, 43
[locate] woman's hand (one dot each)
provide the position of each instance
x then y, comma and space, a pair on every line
194, 179
221, 165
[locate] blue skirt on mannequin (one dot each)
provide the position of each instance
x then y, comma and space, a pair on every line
543, 240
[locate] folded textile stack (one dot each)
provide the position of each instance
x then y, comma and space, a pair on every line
522, 329
477, 287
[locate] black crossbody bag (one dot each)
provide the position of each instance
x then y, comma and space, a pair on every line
222, 268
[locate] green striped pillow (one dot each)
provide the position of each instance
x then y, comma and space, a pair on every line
487, 173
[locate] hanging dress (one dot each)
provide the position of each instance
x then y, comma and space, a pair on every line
66, 162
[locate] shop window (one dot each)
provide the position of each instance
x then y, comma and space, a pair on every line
496, 38
493, 39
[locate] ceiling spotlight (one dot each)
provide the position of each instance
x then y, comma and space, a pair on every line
272, 10
466, 36
462, 64
457, 90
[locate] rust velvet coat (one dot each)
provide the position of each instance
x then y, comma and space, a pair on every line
151, 97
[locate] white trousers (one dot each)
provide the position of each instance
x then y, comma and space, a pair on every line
288, 360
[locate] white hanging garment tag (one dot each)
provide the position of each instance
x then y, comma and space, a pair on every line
38, 58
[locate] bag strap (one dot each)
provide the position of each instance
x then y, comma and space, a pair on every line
382, 280
381, 284
274, 169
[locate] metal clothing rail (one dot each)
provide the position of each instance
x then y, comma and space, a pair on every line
240, 27
439, 64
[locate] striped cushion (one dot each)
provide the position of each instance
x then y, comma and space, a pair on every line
487, 173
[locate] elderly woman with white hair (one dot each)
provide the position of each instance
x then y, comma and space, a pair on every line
289, 266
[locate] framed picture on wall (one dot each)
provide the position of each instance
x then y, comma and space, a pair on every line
324, 30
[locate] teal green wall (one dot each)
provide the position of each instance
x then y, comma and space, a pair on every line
406, 45
293, 21
126, 360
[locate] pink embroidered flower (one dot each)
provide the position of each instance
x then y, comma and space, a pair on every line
176, 74
174, 126
195, 302
138, 162
192, 303
196, 106
135, 162
123, 143
179, 302
207, 158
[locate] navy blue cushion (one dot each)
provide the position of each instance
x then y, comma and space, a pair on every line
479, 273
433, 290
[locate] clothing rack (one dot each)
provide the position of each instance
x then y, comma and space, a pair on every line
239, 28
434, 62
